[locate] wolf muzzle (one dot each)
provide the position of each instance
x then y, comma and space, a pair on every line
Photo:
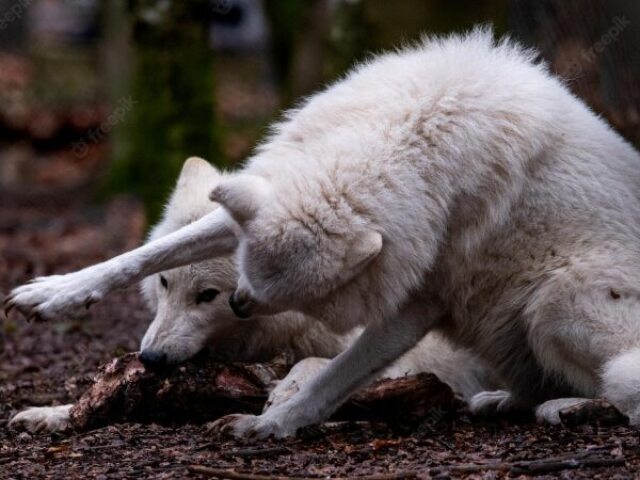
154, 361
242, 305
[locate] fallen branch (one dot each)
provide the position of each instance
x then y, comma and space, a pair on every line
257, 452
530, 467
234, 475
204, 389
547, 466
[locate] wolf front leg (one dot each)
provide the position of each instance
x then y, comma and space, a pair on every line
46, 298
43, 419
380, 344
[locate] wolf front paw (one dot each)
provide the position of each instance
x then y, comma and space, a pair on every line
43, 419
250, 428
46, 298
491, 402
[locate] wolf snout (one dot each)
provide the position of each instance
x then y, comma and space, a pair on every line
241, 304
153, 360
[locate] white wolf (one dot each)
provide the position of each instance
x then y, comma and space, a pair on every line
456, 186
192, 312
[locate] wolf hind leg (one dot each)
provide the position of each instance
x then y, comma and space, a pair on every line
621, 383
584, 329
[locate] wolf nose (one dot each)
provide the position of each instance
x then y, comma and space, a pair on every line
241, 307
154, 361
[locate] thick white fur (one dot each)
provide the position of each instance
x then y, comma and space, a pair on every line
510, 209
455, 186
181, 328
621, 377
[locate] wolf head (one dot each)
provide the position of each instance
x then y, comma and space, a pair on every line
297, 244
190, 303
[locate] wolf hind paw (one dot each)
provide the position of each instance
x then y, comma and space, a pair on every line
549, 411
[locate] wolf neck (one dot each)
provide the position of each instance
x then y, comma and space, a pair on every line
263, 338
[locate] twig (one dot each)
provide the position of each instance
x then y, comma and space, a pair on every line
532, 466
257, 452
86, 448
233, 475
537, 467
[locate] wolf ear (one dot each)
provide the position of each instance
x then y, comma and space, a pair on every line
195, 170
195, 181
242, 196
365, 247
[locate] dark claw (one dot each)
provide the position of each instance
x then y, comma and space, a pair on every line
89, 301
35, 316
8, 305
221, 427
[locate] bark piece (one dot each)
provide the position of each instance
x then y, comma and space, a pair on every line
405, 398
202, 390
597, 411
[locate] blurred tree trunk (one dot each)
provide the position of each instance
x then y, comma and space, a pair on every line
171, 95
310, 48
299, 34
595, 46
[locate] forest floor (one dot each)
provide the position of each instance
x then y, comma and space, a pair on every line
43, 364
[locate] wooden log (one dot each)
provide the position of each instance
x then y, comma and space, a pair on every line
204, 389
200, 390
399, 399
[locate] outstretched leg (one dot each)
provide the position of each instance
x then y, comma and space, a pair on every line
380, 344
50, 297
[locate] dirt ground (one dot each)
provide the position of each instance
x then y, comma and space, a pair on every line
42, 364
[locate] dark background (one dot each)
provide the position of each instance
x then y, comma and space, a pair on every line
111, 97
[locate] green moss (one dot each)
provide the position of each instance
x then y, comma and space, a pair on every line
172, 116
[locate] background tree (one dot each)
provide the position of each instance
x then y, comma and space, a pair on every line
171, 86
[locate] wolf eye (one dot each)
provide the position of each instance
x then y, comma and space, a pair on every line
163, 282
207, 295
